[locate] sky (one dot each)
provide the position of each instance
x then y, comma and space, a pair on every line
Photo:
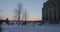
33, 7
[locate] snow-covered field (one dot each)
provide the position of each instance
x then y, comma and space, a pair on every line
30, 28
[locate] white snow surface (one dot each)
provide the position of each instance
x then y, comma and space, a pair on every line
30, 28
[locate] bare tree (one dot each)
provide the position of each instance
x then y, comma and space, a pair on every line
0, 21
0, 15
18, 11
25, 16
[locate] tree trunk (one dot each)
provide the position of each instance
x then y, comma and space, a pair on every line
0, 28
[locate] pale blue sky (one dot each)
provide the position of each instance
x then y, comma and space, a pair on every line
34, 7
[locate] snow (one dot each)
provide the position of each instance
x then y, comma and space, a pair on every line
30, 28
